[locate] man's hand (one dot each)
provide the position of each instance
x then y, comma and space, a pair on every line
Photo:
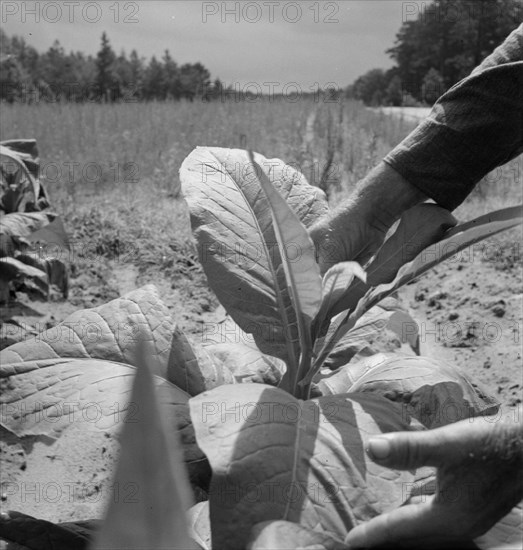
479, 480
346, 236
357, 227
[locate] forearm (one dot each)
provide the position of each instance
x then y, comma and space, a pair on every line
473, 128
356, 228
381, 197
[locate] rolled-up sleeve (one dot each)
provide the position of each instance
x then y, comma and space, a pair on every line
476, 126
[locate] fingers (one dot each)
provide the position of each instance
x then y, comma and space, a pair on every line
447, 445
408, 450
414, 523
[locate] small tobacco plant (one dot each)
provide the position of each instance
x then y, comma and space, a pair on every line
249, 221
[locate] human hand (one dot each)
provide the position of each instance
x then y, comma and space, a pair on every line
358, 226
349, 235
478, 481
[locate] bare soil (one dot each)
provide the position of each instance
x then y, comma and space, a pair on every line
469, 312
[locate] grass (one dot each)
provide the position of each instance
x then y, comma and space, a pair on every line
112, 170
148, 142
91, 150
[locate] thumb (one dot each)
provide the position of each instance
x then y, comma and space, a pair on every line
409, 450
411, 525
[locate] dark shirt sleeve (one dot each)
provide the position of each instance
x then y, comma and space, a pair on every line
473, 128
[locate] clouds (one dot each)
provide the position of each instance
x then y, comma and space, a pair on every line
306, 42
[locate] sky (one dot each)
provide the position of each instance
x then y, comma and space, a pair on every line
272, 44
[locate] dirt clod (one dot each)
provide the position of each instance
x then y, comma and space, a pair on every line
499, 309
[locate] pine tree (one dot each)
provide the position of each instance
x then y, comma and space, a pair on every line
170, 77
153, 80
105, 78
136, 64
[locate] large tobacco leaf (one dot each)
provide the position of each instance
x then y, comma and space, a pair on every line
54, 234
152, 515
74, 409
35, 276
455, 240
110, 332
227, 342
150, 458
62, 385
199, 524
50, 396
432, 391
38, 534
20, 225
340, 380
55, 269
278, 458
248, 364
369, 336
15, 228
303, 280
226, 331
335, 283
23, 276
18, 229
418, 228
302, 273
238, 248
284, 535
193, 369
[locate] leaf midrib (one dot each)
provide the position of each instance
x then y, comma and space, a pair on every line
279, 294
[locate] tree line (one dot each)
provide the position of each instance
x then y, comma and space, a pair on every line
438, 44
28, 76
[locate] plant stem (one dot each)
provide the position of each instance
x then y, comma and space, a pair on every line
302, 390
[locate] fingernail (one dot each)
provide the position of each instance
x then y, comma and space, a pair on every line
378, 448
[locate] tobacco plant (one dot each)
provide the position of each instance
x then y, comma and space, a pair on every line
250, 215
24, 222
